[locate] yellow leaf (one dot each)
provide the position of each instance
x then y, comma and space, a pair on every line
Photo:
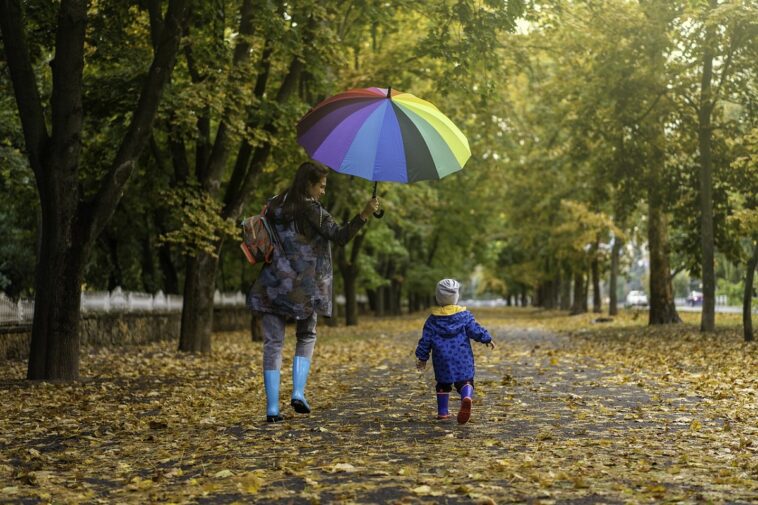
223, 474
422, 490
580, 483
341, 467
311, 482
250, 482
174, 472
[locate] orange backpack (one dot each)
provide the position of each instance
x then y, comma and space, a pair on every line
259, 238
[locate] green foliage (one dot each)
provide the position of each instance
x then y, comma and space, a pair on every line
582, 227
744, 173
20, 204
199, 224
566, 119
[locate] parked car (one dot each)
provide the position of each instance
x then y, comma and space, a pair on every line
636, 299
695, 298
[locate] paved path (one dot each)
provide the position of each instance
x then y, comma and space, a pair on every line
549, 425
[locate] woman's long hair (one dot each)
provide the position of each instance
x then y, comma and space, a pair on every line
294, 201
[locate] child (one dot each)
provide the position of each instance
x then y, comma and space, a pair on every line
446, 335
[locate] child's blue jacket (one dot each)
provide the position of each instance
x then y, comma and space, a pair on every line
446, 336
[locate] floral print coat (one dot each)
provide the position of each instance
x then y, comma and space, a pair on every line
298, 281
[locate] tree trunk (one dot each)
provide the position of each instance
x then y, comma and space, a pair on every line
70, 225
579, 303
349, 277
54, 352
747, 298
197, 309
348, 266
170, 276
371, 295
396, 290
662, 308
379, 302
585, 293
547, 294
597, 300
708, 314
613, 309
115, 277
148, 274
565, 289
542, 295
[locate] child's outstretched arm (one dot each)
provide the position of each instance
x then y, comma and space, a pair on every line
424, 348
477, 332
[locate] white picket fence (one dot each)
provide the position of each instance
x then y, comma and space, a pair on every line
22, 311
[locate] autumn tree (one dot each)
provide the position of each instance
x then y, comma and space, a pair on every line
72, 219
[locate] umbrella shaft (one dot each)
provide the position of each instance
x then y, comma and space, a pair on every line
374, 194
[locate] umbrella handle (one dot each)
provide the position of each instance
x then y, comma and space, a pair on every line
379, 213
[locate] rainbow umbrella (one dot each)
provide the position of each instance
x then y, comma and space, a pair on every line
381, 134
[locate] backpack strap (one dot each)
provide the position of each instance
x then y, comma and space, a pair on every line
270, 225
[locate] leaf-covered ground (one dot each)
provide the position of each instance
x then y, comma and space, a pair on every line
566, 411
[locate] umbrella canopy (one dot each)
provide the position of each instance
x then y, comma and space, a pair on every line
381, 134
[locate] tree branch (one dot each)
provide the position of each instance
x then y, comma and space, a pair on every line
112, 187
66, 100
156, 22
727, 64
24, 85
356, 249
235, 199
650, 109
220, 152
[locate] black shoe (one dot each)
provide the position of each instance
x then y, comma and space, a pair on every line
300, 406
274, 419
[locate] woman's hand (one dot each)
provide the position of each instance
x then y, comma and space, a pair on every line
420, 365
490, 344
371, 207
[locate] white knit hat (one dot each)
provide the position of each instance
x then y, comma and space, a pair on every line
447, 292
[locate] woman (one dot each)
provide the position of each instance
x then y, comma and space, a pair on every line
298, 281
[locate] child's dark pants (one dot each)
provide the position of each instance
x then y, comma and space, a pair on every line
446, 387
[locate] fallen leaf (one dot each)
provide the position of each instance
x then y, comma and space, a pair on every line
223, 474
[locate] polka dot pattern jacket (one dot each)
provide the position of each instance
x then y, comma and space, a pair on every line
446, 336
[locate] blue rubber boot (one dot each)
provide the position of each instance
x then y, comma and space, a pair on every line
467, 391
442, 402
300, 368
271, 383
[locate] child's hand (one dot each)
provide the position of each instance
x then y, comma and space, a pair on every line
420, 365
490, 344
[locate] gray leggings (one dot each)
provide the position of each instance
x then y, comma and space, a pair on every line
273, 339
